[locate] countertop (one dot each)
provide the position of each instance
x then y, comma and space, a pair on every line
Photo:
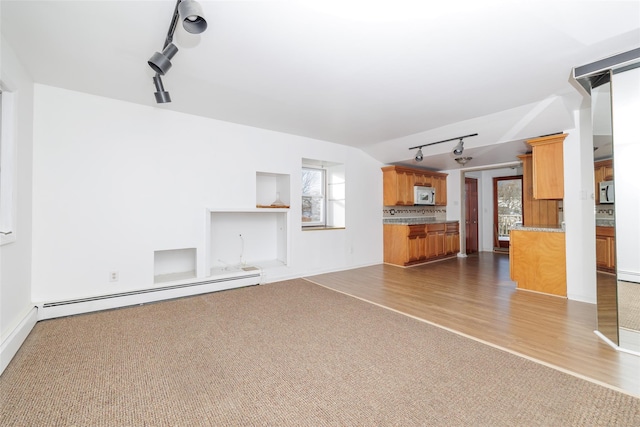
414, 221
546, 228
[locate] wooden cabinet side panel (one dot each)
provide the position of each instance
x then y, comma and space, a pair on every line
527, 189
549, 213
389, 188
395, 244
538, 261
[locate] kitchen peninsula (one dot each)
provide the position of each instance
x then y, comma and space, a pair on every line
537, 259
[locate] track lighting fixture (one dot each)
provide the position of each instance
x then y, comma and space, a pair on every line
161, 62
193, 22
457, 150
463, 160
192, 17
162, 96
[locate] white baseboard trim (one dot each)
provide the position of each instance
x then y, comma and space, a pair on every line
614, 345
50, 310
12, 344
629, 276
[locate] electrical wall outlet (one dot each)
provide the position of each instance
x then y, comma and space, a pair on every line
114, 276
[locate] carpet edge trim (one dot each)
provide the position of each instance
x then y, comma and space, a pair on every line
496, 346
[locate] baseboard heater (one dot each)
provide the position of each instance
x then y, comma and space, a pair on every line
52, 310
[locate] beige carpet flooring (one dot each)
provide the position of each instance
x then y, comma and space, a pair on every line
284, 354
629, 305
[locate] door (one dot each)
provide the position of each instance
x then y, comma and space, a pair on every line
507, 209
471, 214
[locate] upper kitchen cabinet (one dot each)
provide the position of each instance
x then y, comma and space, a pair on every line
397, 186
439, 182
535, 212
548, 166
398, 183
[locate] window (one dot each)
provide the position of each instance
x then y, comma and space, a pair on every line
314, 186
323, 195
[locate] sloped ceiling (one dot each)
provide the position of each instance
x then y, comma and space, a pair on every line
379, 75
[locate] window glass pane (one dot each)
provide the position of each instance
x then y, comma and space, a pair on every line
312, 210
313, 197
312, 182
509, 206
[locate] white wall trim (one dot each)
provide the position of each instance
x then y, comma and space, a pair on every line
628, 276
50, 310
12, 344
614, 346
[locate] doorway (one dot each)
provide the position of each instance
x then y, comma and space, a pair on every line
471, 214
507, 209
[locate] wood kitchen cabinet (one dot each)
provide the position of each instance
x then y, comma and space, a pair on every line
402, 244
440, 184
452, 238
398, 182
416, 243
602, 171
605, 249
412, 244
397, 187
548, 166
435, 240
537, 261
535, 212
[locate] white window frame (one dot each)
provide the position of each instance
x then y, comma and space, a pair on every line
334, 195
323, 221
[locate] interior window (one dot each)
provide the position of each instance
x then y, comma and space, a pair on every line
313, 197
323, 195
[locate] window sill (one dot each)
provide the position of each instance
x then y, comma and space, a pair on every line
321, 227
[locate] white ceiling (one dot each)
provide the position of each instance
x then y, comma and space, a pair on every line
379, 75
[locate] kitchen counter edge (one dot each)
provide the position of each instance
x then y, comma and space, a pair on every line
415, 221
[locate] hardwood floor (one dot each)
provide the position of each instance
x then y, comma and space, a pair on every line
475, 296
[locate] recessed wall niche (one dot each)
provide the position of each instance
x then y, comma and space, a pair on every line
174, 264
251, 238
273, 190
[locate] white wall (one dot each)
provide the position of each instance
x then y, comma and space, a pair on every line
626, 151
114, 182
15, 257
579, 210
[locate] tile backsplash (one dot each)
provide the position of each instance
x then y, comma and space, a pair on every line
437, 212
605, 211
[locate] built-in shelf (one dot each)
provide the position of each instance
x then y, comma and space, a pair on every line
174, 265
273, 190
244, 238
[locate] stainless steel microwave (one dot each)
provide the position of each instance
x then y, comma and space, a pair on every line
606, 192
424, 195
